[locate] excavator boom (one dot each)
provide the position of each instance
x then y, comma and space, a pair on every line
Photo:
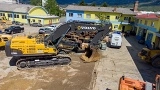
80, 33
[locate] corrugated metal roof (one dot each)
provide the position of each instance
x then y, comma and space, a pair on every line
23, 8
147, 16
100, 9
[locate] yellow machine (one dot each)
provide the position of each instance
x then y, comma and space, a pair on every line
31, 51
3, 19
3, 39
151, 56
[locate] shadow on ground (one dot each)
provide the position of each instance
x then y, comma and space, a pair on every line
12, 62
147, 71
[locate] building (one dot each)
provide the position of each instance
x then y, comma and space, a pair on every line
27, 14
121, 18
8, 1
147, 26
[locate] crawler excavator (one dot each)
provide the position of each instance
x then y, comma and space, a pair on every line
35, 51
131, 84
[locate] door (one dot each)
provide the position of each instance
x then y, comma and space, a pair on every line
123, 28
29, 21
149, 40
129, 19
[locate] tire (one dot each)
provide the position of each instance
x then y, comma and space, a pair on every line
156, 62
21, 31
12, 32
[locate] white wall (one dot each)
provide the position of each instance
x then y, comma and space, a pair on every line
8, 1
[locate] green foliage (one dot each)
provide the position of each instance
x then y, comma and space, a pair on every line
104, 4
93, 4
52, 7
36, 2
102, 18
82, 3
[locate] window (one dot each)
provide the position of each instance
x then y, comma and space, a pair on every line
145, 22
117, 17
33, 20
16, 16
70, 14
115, 26
152, 24
10, 15
126, 18
140, 21
2, 14
88, 15
39, 21
79, 15
24, 16
108, 17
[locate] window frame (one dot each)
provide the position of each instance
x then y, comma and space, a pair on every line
70, 14
88, 15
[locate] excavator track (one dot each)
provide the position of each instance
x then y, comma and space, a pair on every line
27, 63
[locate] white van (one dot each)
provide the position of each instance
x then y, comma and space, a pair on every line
115, 40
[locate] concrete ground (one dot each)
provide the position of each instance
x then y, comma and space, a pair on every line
124, 61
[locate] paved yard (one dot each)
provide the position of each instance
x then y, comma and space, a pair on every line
119, 62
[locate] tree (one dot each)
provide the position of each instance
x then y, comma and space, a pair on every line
52, 7
93, 4
82, 3
104, 4
36, 2
102, 18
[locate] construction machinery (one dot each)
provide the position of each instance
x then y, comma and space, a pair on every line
131, 84
4, 23
3, 19
150, 56
3, 39
35, 51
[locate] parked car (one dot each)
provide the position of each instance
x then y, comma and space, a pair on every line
17, 23
36, 25
53, 27
14, 29
45, 30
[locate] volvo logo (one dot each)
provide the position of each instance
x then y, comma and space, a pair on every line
85, 27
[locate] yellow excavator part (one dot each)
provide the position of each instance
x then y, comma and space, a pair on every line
4, 38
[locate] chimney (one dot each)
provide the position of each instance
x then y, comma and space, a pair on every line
28, 8
135, 8
114, 10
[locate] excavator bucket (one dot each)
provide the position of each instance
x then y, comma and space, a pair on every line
91, 55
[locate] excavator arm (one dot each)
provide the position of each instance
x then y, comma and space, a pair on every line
74, 34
